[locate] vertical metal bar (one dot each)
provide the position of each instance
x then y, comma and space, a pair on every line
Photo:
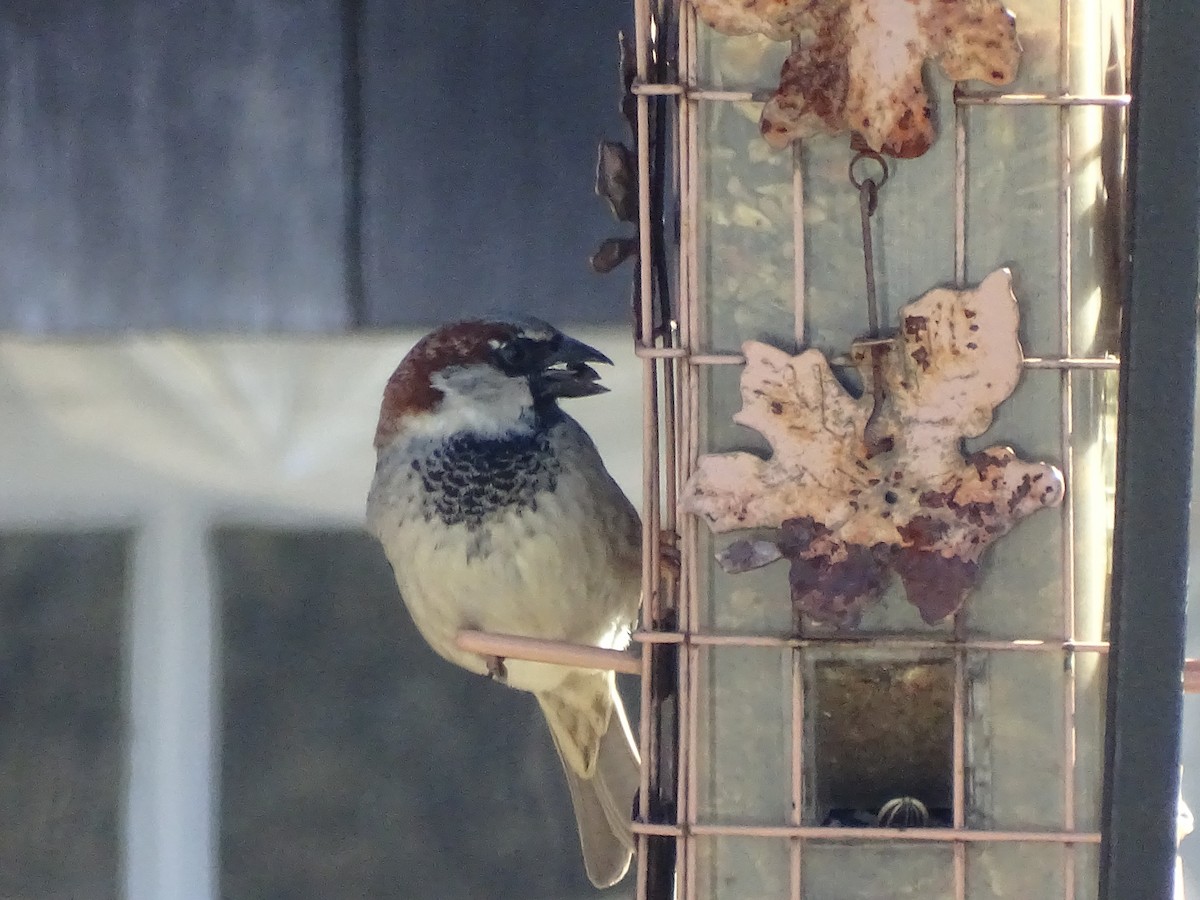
690, 315
1154, 458
959, 752
958, 749
650, 472
1066, 379
796, 876
960, 194
796, 845
798, 280
685, 145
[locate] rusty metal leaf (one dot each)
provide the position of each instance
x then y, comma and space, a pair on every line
857, 64
850, 511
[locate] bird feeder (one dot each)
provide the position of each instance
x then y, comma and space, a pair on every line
880, 288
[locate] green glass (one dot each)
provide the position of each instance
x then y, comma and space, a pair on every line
740, 868
744, 692
1015, 739
1003, 870
746, 268
877, 871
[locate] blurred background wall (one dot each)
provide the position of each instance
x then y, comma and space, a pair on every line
221, 226
302, 165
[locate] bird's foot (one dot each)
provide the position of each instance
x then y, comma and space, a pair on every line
496, 669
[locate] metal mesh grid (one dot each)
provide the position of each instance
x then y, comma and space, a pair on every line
672, 416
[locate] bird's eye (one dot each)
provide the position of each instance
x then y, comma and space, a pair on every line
514, 355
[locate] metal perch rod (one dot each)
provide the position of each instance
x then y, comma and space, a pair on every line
564, 653
561, 653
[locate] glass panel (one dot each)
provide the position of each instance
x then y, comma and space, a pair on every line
738, 868
738, 62
913, 235
1038, 30
1087, 872
1093, 443
878, 871
744, 729
355, 763
1015, 741
1093, 488
62, 719
1091, 681
1097, 228
756, 602
1020, 591
1012, 212
1007, 870
1016, 738
1097, 36
746, 276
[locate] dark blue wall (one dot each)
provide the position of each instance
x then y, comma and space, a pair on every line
263, 165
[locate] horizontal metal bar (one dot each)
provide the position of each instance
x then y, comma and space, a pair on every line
564, 653
1072, 362
716, 359
962, 97
1030, 362
873, 641
758, 96
650, 89
840, 833
559, 653
693, 92
1191, 667
985, 98
646, 351
658, 829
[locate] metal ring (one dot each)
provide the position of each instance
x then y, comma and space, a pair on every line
876, 157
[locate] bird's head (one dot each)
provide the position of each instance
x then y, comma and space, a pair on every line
487, 376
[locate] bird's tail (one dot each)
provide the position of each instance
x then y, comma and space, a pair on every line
595, 744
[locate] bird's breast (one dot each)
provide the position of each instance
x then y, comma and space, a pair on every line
469, 479
507, 536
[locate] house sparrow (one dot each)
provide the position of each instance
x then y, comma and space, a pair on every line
496, 512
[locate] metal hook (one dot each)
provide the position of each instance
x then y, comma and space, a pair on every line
874, 157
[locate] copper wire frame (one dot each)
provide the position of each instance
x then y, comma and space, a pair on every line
678, 438
672, 419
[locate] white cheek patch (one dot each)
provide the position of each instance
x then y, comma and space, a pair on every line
478, 399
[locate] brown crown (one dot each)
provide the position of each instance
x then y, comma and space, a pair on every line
409, 390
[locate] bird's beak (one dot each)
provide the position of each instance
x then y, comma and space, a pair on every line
567, 373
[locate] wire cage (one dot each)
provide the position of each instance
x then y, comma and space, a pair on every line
749, 728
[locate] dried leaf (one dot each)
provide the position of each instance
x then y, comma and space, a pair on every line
857, 493
627, 73
616, 180
611, 253
857, 64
